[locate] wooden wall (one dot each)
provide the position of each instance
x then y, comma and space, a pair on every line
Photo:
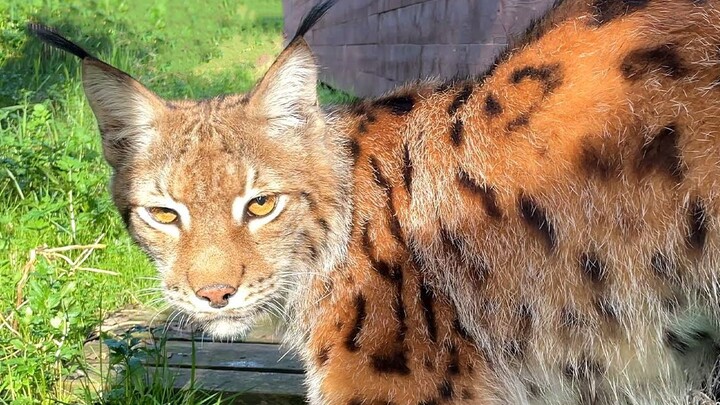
367, 47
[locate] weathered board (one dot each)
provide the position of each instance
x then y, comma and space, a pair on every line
248, 387
256, 370
232, 356
367, 47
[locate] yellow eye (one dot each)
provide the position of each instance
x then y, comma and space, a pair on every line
163, 215
261, 206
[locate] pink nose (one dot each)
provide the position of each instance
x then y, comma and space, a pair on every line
217, 294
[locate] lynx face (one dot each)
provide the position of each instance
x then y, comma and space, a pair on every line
230, 197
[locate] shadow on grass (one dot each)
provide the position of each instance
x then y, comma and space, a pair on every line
38, 72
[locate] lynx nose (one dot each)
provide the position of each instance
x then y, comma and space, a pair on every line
217, 294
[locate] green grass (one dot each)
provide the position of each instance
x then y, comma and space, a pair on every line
53, 181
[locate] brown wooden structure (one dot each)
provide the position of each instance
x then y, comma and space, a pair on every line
367, 47
256, 370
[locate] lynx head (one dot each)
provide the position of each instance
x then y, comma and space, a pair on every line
234, 198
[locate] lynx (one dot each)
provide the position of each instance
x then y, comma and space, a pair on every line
545, 233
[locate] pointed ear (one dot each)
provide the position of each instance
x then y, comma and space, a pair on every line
287, 95
126, 111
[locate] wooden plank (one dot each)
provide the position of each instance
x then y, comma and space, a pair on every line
147, 323
231, 356
255, 387
468, 30
360, 31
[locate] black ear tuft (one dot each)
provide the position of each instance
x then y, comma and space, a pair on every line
313, 17
51, 37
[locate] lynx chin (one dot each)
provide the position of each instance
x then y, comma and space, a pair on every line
545, 233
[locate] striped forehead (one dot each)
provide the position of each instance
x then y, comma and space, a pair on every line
209, 180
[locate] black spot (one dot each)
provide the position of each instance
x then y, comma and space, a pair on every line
351, 341
595, 164
445, 86
604, 11
662, 154
452, 243
663, 267
674, 341
393, 222
399, 306
548, 75
238, 102
486, 193
125, 215
698, 226
356, 401
358, 108
522, 120
445, 389
324, 225
385, 270
492, 105
664, 59
407, 169
426, 300
460, 100
323, 356
593, 268
393, 363
453, 367
366, 115
456, 132
461, 331
394, 225
536, 218
353, 148
398, 105
313, 252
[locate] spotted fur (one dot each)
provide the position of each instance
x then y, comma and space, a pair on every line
544, 233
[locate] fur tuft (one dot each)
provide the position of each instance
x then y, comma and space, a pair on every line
313, 16
53, 38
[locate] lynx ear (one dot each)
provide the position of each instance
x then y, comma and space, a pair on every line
126, 111
287, 95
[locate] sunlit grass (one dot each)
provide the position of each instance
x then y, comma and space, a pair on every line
53, 180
